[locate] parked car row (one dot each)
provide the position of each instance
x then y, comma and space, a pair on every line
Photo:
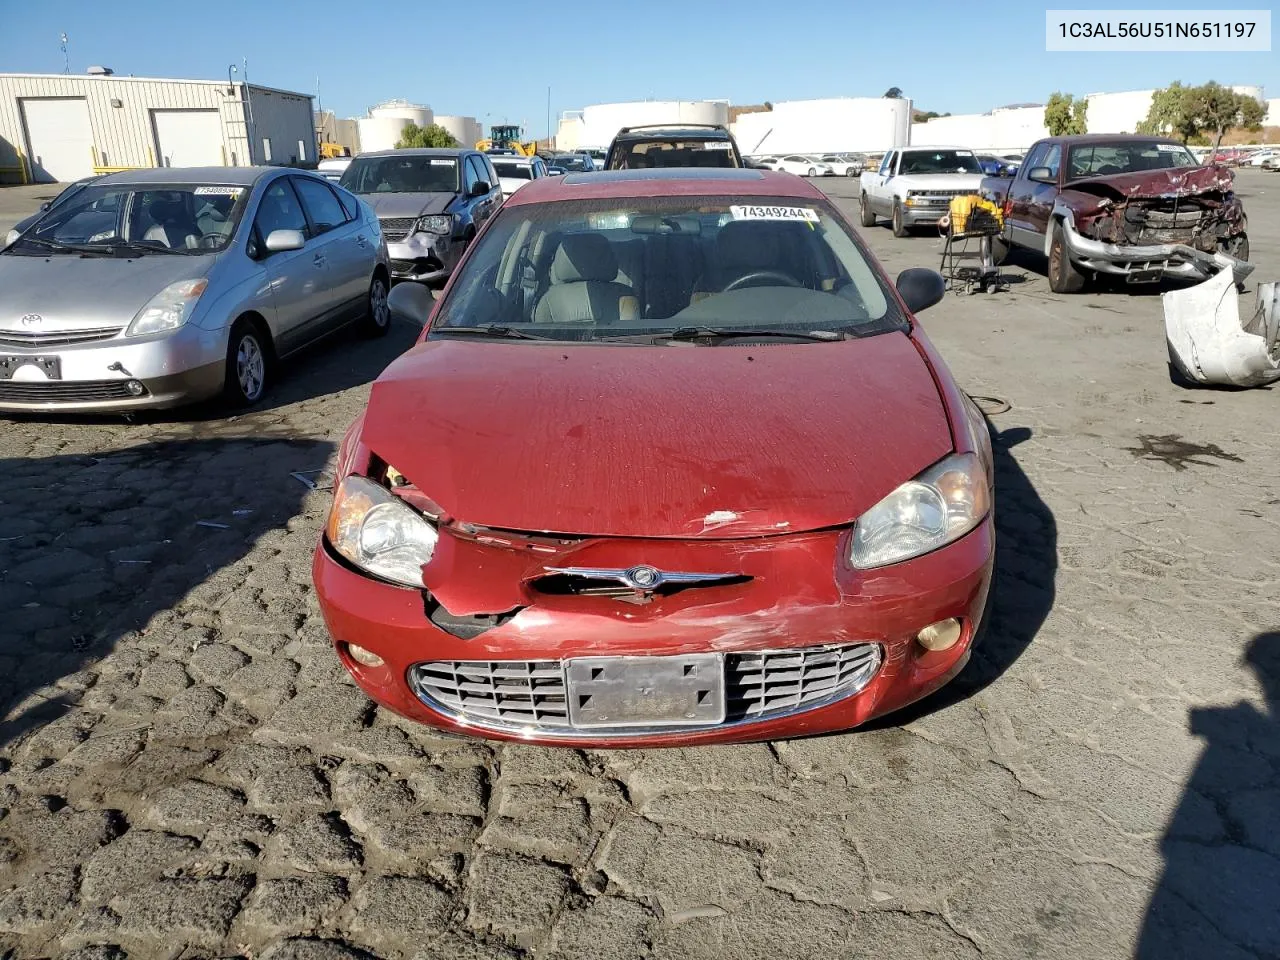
815, 165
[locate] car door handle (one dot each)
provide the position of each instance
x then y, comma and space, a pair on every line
362, 241
318, 260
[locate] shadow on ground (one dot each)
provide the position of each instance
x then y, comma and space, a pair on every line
1023, 590
93, 547
1219, 894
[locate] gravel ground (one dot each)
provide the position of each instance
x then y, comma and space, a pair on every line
185, 770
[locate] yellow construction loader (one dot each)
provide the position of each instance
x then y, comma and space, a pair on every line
507, 137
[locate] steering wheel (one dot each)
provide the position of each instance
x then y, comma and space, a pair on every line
746, 279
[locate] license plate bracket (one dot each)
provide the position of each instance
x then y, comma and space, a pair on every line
51, 367
685, 690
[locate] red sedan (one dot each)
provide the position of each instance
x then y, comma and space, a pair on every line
672, 463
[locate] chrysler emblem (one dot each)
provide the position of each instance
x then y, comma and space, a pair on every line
32, 320
642, 577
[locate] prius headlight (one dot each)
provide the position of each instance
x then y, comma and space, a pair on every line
379, 533
440, 224
168, 309
939, 506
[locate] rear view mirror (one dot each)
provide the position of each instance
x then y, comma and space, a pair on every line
279, 241
921, 288
411, 302
1041, 175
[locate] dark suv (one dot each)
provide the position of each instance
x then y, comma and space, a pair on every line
673, 145
430, 203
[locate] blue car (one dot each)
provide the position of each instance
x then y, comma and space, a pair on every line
993, 166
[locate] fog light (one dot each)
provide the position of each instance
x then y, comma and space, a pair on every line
941, 635
363, 656
135, 387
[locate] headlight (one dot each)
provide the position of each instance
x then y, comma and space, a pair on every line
438, 223
379, 532
939, 506
168, 309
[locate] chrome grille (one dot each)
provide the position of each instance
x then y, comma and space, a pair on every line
516, 695
773, 682
501, 693
55, 338
396, 228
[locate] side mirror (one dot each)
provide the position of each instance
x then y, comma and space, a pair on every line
480, 188
46, 205
411, 302
921, 288
1041, 175
279, 241
12, 237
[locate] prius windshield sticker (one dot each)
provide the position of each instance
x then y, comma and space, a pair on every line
218, 191
774, 213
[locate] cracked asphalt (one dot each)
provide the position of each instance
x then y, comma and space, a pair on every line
186, 771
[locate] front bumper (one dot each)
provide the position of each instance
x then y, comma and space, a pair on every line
424, 257
792, 601
1151, 261
184, 366
928, 212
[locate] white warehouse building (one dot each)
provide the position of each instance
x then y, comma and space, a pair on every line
836, 125
60, 127
596, 126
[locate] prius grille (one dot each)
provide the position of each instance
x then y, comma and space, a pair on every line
55, 338
515, 695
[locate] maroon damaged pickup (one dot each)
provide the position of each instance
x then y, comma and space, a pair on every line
1137, 207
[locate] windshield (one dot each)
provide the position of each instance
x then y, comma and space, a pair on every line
138, 218
605, 269
940, 161
1105, 159
674, 153
513, 171
569, 161
401, 173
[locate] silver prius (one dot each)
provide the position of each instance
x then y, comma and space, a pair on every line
154, 288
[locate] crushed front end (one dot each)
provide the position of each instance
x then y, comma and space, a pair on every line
1185, 223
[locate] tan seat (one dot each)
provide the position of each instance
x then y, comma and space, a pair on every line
583, 284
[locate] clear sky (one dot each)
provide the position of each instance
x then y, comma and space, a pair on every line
495, 60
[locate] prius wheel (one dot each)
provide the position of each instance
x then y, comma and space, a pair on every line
813, 172
377, 319
248, 366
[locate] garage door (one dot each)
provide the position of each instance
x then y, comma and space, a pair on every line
188, 138
59, 140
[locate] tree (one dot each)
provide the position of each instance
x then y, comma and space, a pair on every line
1064, 115
893, 93
1193, 114
433, 135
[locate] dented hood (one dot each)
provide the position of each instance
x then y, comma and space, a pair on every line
1153, 184
643, 441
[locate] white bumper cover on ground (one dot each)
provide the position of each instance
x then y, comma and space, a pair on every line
1208, 343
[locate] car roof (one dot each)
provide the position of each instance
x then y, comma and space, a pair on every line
420, 152
228, 175
937, 146
666, 182
675, 130
1079, 138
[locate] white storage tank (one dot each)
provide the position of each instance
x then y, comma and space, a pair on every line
464, 129
386, 122
835, 125
599, 124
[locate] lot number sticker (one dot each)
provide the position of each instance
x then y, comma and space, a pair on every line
218, 191
803, 214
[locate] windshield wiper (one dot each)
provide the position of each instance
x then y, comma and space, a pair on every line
735, 333
489, 330
142, 247
68, 247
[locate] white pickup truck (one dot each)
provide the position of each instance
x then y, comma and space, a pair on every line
914, 185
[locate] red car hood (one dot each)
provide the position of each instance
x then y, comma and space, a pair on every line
1178, 181
642, 441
